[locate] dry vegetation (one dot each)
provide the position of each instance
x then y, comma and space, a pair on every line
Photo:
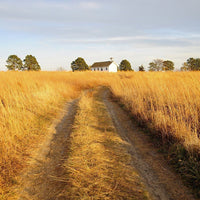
98, 163
28, 102
168, 103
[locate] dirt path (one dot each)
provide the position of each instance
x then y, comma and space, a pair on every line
43, 179
160, 181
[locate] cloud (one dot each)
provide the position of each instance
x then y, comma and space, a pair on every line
139, 41
117, 26
103, 18
89, 5
46, 11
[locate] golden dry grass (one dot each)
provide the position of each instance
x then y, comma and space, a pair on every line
98, 163
28, 102
167, 102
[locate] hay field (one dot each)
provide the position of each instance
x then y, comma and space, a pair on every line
168, 103
28, 103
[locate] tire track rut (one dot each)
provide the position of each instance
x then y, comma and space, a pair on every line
43, 179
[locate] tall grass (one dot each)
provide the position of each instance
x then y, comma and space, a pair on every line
28, 102
168, 103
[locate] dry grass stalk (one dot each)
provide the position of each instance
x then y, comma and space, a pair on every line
28, 102
167, 102
98, 164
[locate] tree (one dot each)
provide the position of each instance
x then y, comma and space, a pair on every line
153, 67
193, 64
74, 66
184, 67
125, 66
168, 65
30, 63
79, 64
156, 65
14, 63
141, 68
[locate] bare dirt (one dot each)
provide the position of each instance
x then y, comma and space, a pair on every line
43, 179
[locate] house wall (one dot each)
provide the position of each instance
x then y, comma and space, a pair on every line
113, 67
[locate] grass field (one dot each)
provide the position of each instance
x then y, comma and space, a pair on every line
28, 103
168, 104
98, 164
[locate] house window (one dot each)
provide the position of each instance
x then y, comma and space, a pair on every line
98, 69
101, 69
106, 68
94, 69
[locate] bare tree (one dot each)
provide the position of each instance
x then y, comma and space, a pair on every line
156, 65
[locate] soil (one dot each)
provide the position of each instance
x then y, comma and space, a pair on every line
43, 179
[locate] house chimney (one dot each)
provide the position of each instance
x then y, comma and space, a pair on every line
111, 59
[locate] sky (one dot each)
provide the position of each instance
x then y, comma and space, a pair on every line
56, 32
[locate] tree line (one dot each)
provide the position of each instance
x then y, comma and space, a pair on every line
80, 65
30, 63
157, 65
192, 64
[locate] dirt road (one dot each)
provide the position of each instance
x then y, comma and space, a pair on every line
43, 179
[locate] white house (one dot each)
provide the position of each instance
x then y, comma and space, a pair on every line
106, 66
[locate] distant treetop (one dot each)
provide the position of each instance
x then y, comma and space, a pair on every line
141, 68
160, 65
15, 63
168, 65
30, 63
125, 66
79, 65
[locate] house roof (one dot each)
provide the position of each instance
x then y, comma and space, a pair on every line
101, 64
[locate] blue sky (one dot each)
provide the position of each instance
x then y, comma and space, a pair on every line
59, 31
